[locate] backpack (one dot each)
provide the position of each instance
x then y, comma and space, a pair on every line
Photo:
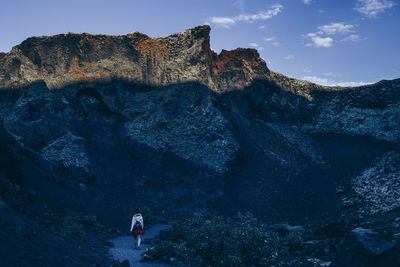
137, 225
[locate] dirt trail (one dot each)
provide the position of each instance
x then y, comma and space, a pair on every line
123, 248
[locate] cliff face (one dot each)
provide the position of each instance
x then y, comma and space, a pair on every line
153, 94
139, 92
181, 57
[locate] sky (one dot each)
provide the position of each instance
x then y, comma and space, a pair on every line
331, 42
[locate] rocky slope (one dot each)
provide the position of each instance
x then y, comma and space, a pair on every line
98, 124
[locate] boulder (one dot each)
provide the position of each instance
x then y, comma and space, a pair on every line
372, 241
67, 158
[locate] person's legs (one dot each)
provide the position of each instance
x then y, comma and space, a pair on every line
135, 240
139, 240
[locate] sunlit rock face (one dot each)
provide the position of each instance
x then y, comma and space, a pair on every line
181, 57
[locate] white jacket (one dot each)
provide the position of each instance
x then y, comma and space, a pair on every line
137, 218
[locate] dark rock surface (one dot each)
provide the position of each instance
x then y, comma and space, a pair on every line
125, 121
377, 188
372, 241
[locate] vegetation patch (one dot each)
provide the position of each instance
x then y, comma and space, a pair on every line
217, 241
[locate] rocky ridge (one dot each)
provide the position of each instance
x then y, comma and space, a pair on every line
181, 57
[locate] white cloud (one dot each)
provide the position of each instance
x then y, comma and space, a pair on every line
263, 15
318, 41
328, 34
352, 38
269, 39
307, 2
336, 27
224, 22
372, 8
256, 46
328, 82
307, 70
290, 57
317, 80
261, 27
228, 22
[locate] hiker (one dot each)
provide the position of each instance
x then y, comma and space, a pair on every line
137, 228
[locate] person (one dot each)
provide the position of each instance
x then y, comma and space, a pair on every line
137, 228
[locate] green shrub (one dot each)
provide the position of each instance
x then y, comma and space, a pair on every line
75, 224
217, 241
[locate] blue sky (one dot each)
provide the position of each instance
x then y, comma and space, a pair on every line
346, 42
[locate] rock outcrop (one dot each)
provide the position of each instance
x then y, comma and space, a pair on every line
378, 187
184, 121
369, 110
67, 158
181, 57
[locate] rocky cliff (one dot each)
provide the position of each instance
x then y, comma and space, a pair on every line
181, 57
165, 123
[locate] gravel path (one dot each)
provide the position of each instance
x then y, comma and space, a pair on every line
124, 248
